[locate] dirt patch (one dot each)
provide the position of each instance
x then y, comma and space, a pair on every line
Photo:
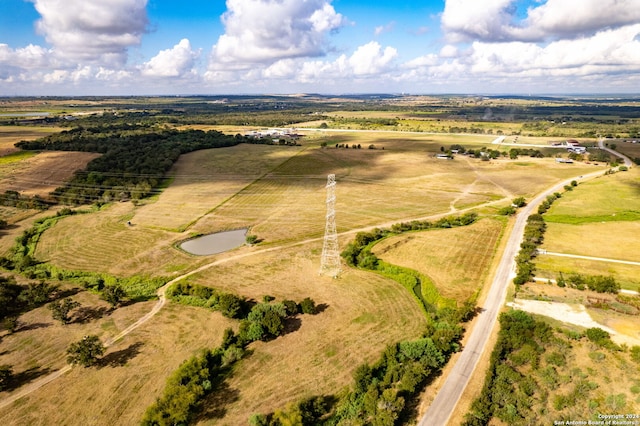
573, 314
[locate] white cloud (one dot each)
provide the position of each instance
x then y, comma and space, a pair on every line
92, 30
265, 31
566, 18
371, 59
496, 20
384, 28
175, 62
472, 19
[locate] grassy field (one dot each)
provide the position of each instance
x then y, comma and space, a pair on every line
457, 260
279, 192
9, 135
599, 218
362, 313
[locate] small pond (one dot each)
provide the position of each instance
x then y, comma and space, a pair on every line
215, 243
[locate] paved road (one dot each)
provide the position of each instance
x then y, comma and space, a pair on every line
445, 402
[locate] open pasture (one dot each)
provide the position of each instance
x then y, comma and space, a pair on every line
609, 198
279, 193
599, 218
361, 313
204, 180
457, 260
131, 375
40, 174
103, 242
548, 267
9, 135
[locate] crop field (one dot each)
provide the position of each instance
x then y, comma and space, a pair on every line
457, 260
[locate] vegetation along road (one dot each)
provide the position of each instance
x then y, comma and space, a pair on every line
445, 402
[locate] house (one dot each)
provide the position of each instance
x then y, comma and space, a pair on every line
573, 142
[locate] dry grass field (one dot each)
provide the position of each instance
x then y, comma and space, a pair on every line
362, 313
9, 135
457, 260
279, 192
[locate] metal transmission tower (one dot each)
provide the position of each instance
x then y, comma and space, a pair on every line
330, 262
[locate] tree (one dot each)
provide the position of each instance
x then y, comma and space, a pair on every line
60, 310
308, 306
36, 294
6, 375
519, 202
113, 294
85, 352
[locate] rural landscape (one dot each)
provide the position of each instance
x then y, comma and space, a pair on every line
488, 252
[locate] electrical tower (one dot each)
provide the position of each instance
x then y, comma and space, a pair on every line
330, 262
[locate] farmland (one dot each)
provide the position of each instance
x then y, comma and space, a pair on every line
278, 192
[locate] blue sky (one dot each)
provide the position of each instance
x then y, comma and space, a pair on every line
156, 47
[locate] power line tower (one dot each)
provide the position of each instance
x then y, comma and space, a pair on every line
330, 262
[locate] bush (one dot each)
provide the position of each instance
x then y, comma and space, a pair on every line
308, 306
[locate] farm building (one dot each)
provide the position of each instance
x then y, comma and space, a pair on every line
573, 142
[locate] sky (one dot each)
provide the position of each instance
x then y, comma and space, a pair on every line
217, 47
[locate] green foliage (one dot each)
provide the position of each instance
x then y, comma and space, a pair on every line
635, 353
308, 306
86, 351
506, 392
187, 293
519, 202
185, 389
507, 211
601, 338
60, 309
6, 376
533, 237
113, 294
133, 161
251, 239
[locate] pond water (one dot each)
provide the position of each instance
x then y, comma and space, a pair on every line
215, 243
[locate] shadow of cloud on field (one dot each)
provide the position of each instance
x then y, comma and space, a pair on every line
121, 357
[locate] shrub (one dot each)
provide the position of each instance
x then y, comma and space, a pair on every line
308, 306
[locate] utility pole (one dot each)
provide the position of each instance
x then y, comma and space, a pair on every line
330, 262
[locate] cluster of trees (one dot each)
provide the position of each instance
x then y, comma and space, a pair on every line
261, 321
515, 204
16, 298
187, 387
358, 253
353, 146
134, 161
15, 199
382, 393
524, 372
597, 283
533, 237
507, 394
514, 153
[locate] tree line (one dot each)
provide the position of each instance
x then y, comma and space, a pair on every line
200, 375
383, 393
134, 158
